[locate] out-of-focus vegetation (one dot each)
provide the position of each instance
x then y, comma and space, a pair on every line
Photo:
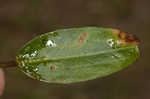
22, 20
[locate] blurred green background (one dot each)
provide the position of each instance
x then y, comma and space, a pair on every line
22, 20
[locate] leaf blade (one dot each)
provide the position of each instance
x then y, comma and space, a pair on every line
74, 55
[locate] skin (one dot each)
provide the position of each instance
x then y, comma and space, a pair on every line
2, 81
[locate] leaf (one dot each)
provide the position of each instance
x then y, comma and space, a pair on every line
77, 54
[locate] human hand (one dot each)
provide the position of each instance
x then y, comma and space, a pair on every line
2, 81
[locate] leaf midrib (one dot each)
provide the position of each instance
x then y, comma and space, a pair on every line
42, 60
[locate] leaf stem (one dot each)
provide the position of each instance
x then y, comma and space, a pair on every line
8, 64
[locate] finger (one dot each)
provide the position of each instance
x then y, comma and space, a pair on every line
2, 81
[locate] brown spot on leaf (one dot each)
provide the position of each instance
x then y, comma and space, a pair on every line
82, 38
126, 38
115, 31
122, 35
53, 67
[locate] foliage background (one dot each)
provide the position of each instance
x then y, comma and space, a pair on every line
22, 20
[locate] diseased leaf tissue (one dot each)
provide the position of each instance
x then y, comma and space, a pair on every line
77, 54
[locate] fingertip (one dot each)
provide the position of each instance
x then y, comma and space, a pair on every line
2, 82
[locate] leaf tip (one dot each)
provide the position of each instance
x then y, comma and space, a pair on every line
126, 38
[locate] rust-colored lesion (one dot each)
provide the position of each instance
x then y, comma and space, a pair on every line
115, 31
82, 38
126, 38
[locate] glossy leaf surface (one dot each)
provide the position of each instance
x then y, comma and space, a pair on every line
77, 54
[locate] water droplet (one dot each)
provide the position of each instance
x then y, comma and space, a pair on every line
116, 55
50, 43
22, 64
35, 69
34, 53
26, 56
112, 56
111, 42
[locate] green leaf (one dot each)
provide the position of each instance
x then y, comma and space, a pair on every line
77, 54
